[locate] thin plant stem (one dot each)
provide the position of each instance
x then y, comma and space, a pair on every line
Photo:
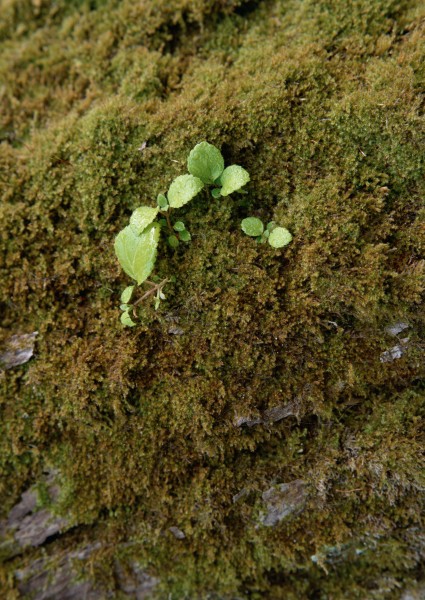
155, 288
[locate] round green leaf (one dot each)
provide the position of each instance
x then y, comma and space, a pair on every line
216, 193
126, 295
232, 179
137, 253
126, 320
179, 226
185, 236
279, 237
162, 201
183, 189
252, 226
173, 241
206, 162
142, 217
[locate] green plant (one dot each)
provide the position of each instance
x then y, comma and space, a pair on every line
136, 245
276, 236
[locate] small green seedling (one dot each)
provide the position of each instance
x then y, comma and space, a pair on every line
136, 245
276, 236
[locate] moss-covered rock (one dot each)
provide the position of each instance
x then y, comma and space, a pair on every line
263, 367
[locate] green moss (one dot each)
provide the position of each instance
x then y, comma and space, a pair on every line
322, 105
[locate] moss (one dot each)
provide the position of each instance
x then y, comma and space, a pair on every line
322, 104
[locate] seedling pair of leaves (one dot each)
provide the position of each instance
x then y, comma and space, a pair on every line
126, 307
276, 236
136, 245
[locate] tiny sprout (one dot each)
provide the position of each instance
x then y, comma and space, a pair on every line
158, 297
216, 193
278, 237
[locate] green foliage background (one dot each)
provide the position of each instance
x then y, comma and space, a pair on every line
322, 102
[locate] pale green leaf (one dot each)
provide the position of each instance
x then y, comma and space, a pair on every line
142, 217
126, 295
279, 237
232, 179
183, 189
125, 306
137, 253
126, 320
206, 162
252, 226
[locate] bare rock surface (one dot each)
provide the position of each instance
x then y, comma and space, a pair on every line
271, 415
57, 576
41, 582
283, 500
17, 350
27, 525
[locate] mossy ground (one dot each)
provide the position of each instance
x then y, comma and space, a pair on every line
323, 104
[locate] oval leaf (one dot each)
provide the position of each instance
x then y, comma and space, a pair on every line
137, 253
126, 295
183, 189
179, 226
162, 201
185, 236
206, 162
142, 217
279, 237
232, 179
126, 320
252, 226
173, 241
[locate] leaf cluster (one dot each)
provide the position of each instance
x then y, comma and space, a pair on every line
136, 245
276, 236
